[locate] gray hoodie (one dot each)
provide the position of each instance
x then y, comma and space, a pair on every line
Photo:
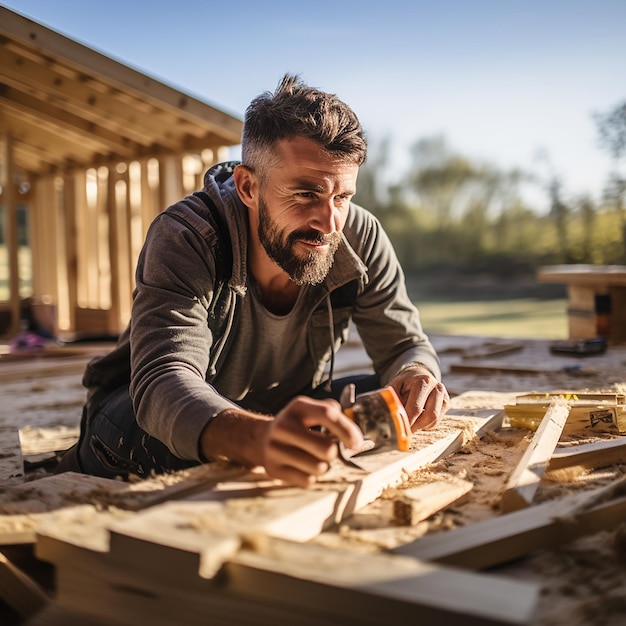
190, 310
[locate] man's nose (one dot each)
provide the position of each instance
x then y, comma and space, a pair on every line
326, 217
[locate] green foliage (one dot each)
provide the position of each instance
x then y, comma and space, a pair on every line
448, 210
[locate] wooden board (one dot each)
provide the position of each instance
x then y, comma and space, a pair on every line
591, 455
38, 368
24, 507
524, 481
504, 538
19, 591
279, 509
416, 504
262, 580
259, 503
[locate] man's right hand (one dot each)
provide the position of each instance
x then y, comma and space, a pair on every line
285, 445
297, 454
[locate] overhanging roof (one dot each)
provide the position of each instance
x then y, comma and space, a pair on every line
67, 105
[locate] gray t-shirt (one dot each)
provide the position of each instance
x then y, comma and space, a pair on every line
266, 342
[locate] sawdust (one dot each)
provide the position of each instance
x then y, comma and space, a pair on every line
582, 583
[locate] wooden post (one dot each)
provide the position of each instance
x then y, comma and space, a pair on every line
66, 206
9, 201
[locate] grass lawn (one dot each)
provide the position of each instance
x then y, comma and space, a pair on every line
524, 317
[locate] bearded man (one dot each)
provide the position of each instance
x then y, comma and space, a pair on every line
244, 292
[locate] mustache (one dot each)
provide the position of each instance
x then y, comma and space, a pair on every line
313, 236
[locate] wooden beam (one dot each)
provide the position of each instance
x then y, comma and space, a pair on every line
507, 537
256, 579
590, 455
33, 36
61, 123
526, 476
81, 100
20, 591
351, 588
9, 203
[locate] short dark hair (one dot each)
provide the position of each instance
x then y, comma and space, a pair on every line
298, 110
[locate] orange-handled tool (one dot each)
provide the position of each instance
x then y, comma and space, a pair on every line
382, 418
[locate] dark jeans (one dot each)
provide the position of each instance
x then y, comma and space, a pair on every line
112, 444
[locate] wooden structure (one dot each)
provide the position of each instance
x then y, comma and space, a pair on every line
223, 541
91, 151
596, 299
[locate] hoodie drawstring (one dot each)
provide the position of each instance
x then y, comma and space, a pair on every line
331, 323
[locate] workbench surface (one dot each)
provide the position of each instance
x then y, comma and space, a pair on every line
580, 582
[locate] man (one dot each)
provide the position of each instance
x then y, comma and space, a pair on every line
243, 294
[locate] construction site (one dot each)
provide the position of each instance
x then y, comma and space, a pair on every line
512, 510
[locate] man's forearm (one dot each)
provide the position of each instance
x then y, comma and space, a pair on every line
236, 435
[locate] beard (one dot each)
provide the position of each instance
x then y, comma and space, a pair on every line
310, 268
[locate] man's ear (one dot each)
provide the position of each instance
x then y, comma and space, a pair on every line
247, 185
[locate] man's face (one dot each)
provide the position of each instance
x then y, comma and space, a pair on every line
304, 267
302, 208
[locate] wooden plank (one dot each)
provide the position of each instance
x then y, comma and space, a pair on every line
594, 455
492, 348
419, 503
484, 367
375, 588
19, 591
272, 581
257, 502
11, 460
286, 512
507, 537
584, 274
37, 368
25, 507
525, 479
55, 615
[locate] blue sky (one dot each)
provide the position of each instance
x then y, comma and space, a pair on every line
505, 82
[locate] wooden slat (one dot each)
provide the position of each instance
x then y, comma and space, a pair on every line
350, 588
38, 367
19, 591
590, 455
526, 476
507, 537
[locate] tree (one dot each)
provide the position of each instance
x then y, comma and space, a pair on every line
612, 132
559, 211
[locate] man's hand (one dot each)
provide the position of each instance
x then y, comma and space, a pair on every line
285, 445
297, 454
425, 399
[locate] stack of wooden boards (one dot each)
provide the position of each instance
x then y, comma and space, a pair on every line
233, 549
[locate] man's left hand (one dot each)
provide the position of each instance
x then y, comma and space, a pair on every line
425, 399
